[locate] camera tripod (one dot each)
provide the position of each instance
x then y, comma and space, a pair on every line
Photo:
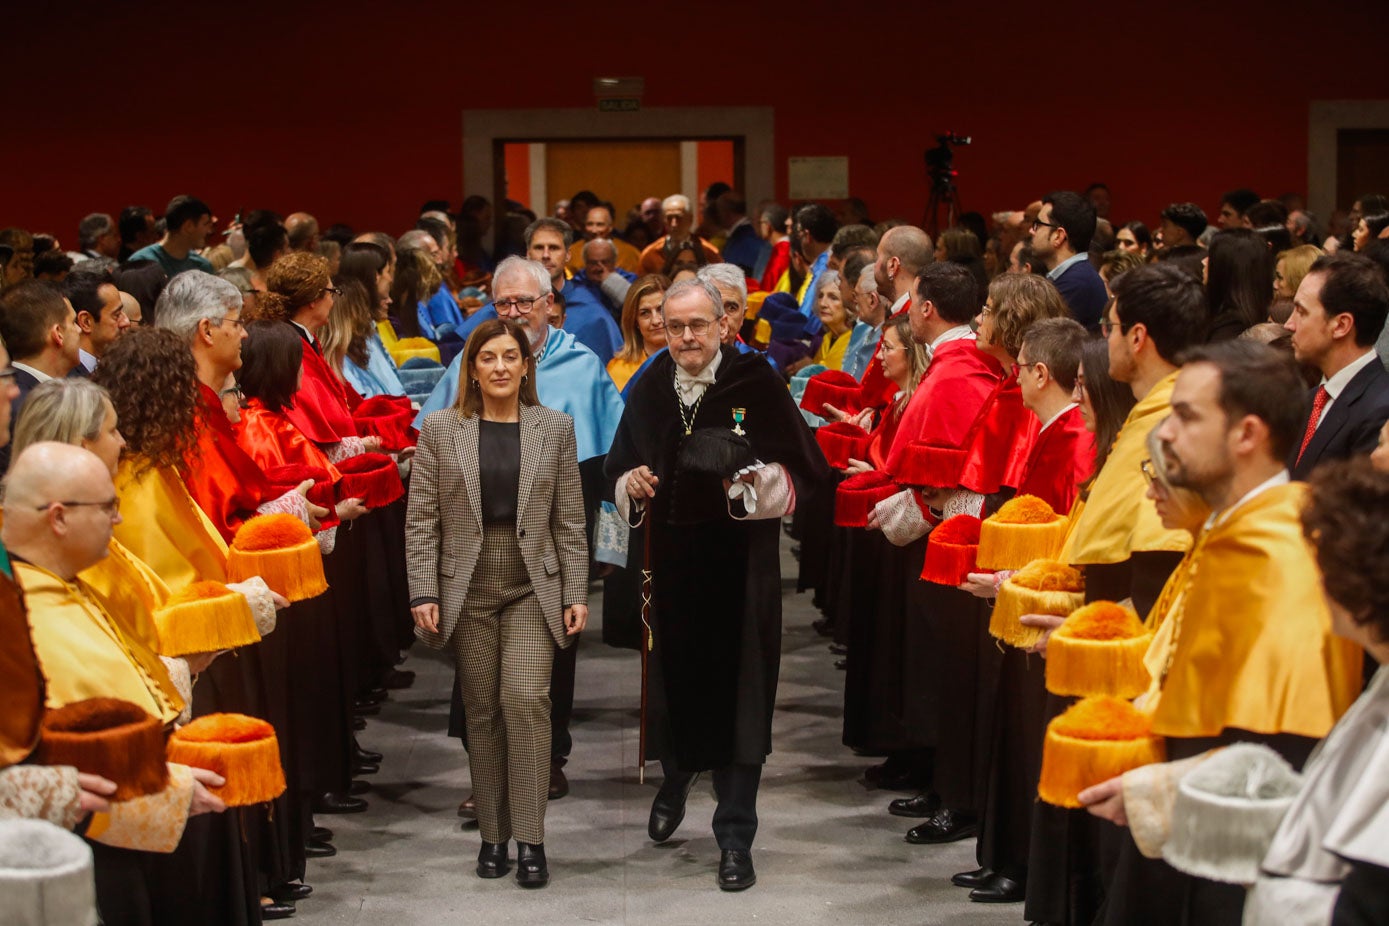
943, 193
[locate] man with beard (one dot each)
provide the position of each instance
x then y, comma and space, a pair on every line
1244, 644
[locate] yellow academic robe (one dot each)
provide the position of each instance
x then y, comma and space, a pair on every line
1117, 520
832, 350
128, 590
85, 653
1251, 644
628, 257
165, 529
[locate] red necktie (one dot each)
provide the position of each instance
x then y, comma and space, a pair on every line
1318, 403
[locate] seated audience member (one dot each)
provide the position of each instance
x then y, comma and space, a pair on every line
1239, 282
1061, 236
956, 243
1134, 237
742, 246
40, 330
837, 318
439, 311
97, 237
1233, 207
643, 328
137, 229
267, 240
679, 237
352, 347
870, 311
1183, 224
417, 280
100, 314
187, 221
772, 228
600, 278
598, 223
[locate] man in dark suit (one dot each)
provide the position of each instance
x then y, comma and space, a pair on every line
1338, 311
744, 246
40, 331
1061, 236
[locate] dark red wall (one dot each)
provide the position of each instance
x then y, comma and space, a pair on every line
352, 110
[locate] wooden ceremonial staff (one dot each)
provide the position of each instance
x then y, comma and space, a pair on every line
646, 642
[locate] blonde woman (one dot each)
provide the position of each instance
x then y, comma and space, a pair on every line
643, 330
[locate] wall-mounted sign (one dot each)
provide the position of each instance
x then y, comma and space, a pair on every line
619, 94
818, 178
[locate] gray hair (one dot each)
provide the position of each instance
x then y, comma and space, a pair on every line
519, 266
588, 245
239, 277
191, 297
709, 290
96, 265
93, 227
867, 274
676, 199
414, 238
69, 411
727, 274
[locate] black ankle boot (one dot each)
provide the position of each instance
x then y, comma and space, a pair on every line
530, 865
492, 861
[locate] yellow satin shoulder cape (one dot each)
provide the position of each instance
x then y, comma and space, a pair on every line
1117, 521
1253, 645
165, 529
128, 590
85, 653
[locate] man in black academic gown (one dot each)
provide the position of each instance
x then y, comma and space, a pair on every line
713, 450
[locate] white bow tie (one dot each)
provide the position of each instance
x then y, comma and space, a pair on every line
692, 385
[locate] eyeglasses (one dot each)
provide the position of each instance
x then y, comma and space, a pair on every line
1107, 327
332, 289
699, 328
1080, 384
111, 508
1019, 367
1038, 223
7, 374
523, 306
236, 322
1149, 471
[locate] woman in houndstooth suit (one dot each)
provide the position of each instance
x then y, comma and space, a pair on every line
499, 573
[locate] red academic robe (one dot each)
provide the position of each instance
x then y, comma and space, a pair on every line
272, 440
957, 386
1001, 445
320, 405
1063, 456
777, 264
226, 483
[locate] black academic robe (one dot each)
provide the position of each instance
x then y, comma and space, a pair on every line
716, 581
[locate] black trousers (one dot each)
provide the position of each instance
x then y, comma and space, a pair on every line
735, 815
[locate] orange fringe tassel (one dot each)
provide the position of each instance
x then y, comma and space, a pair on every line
1040, 587
243, 750
1092, 742
1023, 529
1099, 650
205, 617
281, 550
108, 737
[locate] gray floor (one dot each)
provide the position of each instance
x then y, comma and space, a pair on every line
826, 852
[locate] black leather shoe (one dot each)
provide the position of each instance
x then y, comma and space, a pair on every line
365, 755
973, 878
839, 650
276, 910
338, 803
320, 834
320, 850
943, 826
530, 865
289, 893
359, 787
559, 785
735, 870
923, 805
668, 809
372, 696
365, 768
492, 861
397, 679
842, 665
822, 626
365, 708
999, 889
468, 809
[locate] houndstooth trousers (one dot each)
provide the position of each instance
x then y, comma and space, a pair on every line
504, 651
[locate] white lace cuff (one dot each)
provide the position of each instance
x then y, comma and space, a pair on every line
901, 518
624, 502
771, 493
289, 503
327, 540
261, 600
345, 449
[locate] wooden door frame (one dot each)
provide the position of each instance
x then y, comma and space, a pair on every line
751, 128
1325, 118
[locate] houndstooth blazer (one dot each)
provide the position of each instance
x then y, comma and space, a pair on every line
443, 528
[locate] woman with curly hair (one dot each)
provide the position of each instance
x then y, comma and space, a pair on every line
643, 328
